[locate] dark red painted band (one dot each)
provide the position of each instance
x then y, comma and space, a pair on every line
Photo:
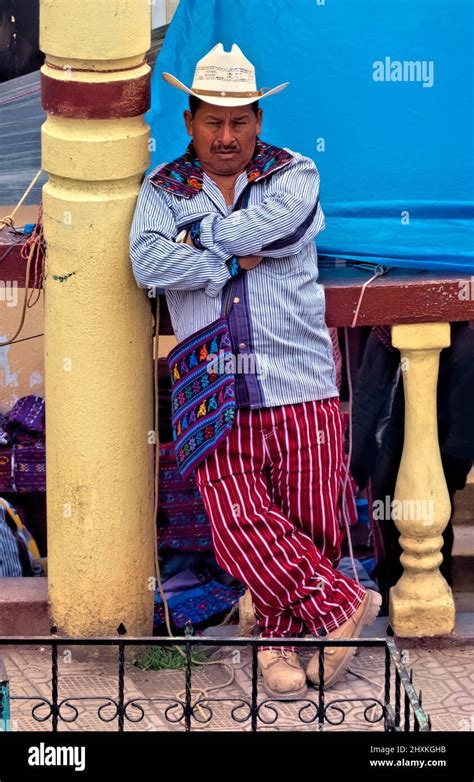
95, 100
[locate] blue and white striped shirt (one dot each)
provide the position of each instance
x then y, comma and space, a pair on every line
282, 349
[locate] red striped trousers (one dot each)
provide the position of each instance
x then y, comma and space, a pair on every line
271, 493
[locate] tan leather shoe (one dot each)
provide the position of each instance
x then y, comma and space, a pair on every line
337, 659
283, 676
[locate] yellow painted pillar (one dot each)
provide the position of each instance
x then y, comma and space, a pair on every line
421, 603
98, 357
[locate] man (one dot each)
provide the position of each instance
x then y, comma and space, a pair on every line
271, 488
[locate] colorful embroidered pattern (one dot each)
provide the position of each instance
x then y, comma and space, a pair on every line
202, 395
22, 447
198, 605
182, 521
184, 175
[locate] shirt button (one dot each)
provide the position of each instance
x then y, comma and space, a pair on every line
242, 345
236, 300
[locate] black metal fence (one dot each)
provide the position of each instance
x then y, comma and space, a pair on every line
400, 709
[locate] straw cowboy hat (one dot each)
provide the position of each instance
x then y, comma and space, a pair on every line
224, 79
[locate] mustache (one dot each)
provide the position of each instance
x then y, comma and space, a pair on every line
226, 149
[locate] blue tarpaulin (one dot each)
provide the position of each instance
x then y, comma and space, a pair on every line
380, 96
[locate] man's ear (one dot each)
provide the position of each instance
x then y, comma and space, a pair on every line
188, 121
259, 120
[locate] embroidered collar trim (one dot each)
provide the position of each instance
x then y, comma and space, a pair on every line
184, 176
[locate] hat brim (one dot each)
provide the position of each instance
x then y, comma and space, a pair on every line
218, 100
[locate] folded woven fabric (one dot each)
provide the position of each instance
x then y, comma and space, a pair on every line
29, 462
6, 469
27, 414
181, 582
182, 521
23, 447
184, 534
197, 606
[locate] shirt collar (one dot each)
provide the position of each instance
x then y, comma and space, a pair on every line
184, 176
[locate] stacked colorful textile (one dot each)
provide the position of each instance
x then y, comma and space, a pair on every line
211, 600
22, 447
196, 588
182, 520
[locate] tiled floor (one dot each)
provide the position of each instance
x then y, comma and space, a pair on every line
446, 678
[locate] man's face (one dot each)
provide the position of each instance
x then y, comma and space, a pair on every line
224, 138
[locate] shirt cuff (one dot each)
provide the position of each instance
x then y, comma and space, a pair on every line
219, 278
205, 236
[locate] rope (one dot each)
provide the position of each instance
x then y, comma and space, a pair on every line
200, 693
31, 249
379, 271
25, 339
349, 454
36, 240
380, 688
7, 221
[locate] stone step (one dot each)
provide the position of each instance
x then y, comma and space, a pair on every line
462, 636
463, 558
464, 503
24, 606
464, 602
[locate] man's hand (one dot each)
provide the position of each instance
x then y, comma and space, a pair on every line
249, 261
246, 262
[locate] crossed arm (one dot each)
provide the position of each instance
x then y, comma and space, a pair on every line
280, 225
157, 260
287, 218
